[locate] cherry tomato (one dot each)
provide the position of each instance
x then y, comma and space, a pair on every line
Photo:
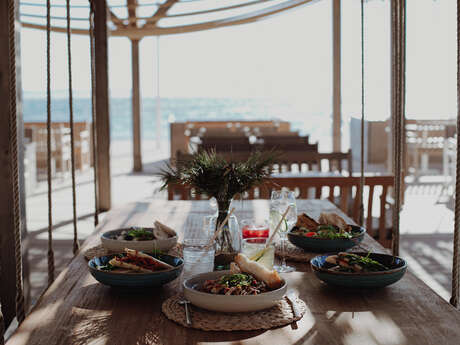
310, 234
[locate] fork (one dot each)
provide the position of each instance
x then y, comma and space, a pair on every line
188, 317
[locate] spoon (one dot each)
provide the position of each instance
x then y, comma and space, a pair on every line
188, 318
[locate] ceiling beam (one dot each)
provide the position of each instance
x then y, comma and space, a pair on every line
132, 17
160, 13
115, 20
138, 33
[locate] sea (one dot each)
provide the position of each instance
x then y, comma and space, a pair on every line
317, 124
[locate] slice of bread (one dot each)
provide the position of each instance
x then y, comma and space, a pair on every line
260, 272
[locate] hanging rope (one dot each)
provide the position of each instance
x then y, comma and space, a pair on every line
455, 264
2, 322
76, 245
2, 327
20, 312
48, 143
93, 106
398, 107
361, 180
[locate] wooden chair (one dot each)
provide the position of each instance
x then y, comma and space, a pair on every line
298, 162
341, 190
340, 162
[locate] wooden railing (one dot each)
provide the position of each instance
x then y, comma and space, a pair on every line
341, 190
295, 161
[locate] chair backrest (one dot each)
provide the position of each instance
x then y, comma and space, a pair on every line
314, 161
291, 161
341, 190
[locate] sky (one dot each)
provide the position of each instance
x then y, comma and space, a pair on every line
287, 57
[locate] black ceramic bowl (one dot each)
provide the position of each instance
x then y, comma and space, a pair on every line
397, 269
324, 245
135, 279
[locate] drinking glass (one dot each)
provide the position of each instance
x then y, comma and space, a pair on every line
198, 256
280, 201
253, 248
251, 228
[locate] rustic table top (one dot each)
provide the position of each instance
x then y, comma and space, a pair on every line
76, 309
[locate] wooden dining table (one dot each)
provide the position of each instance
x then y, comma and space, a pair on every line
76, 309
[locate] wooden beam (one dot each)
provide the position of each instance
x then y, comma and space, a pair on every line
136, 107
132, 6
115, 20
102, 105
7, 252
160, 12
336, 78
146, 30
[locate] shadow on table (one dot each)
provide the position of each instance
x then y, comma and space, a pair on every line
109, 311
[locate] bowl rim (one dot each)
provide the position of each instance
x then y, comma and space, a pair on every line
361, 274
106, 238
201, 293
361, 234
135, 274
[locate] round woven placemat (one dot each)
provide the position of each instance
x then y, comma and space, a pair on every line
279, 315
99, 250
293, 253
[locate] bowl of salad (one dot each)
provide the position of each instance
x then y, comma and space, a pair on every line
359, 270
157, 238
329, 234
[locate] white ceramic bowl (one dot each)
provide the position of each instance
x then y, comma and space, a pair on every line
118, 246
231, 303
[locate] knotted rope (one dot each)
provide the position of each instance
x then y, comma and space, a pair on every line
20, 312
76, 245
398, 107
361, 180
456, 254
48, 142
93, 107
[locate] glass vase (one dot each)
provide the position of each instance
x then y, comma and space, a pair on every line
228, 241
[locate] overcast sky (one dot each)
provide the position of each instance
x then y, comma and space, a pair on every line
287, 57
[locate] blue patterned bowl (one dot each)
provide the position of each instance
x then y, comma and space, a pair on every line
155, 279
324, 245
397, 266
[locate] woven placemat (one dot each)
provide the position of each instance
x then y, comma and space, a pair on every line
99, 250
279, 315
293, 253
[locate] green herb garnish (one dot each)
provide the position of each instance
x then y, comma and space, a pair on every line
107, 267
141, 234
238, 279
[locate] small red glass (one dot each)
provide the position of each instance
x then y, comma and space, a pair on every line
253, 229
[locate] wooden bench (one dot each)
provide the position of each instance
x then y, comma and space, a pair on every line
296, 161
343, 191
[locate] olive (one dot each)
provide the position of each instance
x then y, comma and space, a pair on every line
129, 238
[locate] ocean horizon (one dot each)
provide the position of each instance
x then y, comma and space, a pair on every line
302, 119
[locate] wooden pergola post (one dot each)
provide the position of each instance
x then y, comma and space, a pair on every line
102, 105
336, 78
136, 107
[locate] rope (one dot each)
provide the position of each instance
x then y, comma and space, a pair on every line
396, 134
2, 327
455, 264
76, 245
48, 137
2, 322
398, 21
361, 180
93, 108
20, 313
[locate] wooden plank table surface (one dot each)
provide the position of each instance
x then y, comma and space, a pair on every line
76, 309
